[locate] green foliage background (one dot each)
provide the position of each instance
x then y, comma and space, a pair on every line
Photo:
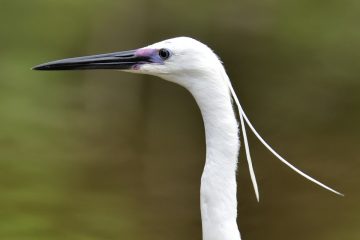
109, 155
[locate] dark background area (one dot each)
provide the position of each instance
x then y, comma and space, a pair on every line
110, 155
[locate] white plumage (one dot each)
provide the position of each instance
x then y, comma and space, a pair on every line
194, 66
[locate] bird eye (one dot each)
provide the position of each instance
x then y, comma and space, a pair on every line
164, 53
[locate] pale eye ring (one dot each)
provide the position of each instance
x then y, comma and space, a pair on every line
164, 53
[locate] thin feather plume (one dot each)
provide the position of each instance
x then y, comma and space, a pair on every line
243, 117
248, 157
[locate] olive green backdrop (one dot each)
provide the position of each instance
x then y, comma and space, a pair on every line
110, 155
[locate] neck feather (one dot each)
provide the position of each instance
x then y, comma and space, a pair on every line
218, 181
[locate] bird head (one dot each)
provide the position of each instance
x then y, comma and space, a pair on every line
174, 59
182, 60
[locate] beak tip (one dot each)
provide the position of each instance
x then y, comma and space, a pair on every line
39, 67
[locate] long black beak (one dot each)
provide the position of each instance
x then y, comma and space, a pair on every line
117, 60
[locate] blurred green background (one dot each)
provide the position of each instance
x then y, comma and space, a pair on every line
110, 155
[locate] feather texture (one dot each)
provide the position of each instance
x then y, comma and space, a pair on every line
278, 156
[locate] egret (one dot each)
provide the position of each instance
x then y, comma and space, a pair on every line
193, 65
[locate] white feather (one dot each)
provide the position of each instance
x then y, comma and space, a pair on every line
248, 157
243, 116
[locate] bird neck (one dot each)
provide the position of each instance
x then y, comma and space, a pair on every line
218, 182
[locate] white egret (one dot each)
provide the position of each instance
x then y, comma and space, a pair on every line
193, 65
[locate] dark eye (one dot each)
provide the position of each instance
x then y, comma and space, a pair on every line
164, 53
